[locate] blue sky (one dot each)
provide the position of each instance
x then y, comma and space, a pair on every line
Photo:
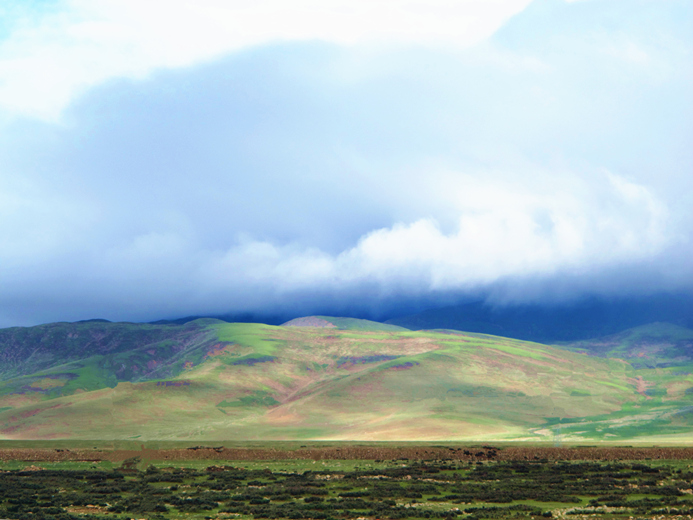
225, 157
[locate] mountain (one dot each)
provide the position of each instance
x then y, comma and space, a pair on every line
656, 345
342, 324
589, 318
25, 350
338, 379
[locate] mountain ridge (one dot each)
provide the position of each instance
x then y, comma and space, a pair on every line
209, 379
581, 320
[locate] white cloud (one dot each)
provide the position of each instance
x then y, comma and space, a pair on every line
504, 230
45, 65
351, 174
575, 225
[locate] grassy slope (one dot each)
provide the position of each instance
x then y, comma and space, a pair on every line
251, 381
661, 357
29, 350
647, 346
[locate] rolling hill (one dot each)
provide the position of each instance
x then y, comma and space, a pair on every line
656, 345
339, 379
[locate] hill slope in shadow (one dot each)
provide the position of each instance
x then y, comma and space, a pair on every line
545, 323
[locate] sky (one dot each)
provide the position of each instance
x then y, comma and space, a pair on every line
160, 160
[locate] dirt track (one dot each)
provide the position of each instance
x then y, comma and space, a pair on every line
351, 453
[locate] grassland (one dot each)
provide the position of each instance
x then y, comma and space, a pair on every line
211, 380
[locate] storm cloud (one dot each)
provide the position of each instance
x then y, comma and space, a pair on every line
547, 158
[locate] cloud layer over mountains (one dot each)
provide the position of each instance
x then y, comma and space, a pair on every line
545, 159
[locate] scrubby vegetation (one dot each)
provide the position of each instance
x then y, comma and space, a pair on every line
389, 490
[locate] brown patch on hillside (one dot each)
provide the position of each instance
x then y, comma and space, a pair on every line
31, 413
676, 389
310, 321
48, 382
641, 385
283, 416
220, 349
648, 347
333, 346
19, 400
525, 359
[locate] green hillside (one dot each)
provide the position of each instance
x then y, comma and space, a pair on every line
26, 350
346, 380
648, 346
661, 356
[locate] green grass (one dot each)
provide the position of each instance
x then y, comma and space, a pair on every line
259, 398
276, 383
657, 345
254, 335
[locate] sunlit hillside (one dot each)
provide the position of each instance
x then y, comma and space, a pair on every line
338, 379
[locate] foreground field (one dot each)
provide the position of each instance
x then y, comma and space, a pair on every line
17, 453
340, 379
493, 488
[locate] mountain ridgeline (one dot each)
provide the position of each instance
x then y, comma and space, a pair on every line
545, 323
321, 377
25, 350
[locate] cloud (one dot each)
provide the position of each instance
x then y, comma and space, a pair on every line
503, 231
550, 160
47, 63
